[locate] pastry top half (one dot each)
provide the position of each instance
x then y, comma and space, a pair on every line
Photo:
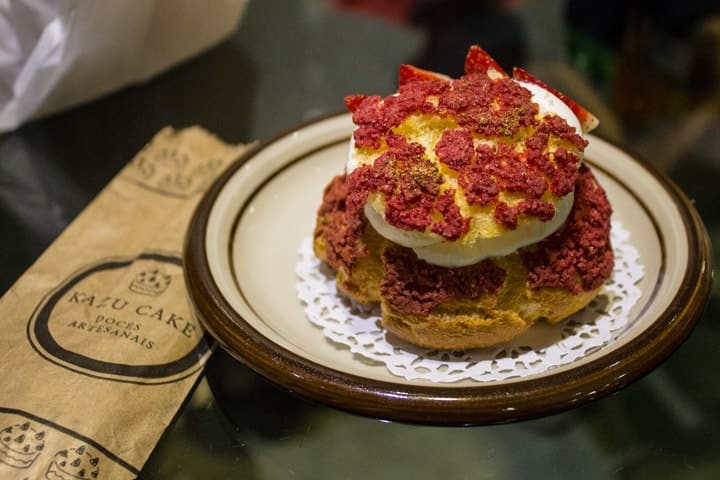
464, 169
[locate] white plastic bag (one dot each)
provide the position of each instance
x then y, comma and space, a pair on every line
58, 53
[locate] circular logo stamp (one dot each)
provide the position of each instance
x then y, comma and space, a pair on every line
123, 319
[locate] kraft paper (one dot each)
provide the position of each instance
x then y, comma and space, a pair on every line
99, 347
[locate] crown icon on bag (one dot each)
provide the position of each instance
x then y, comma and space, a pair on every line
150, 282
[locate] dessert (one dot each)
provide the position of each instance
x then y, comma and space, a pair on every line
465, 209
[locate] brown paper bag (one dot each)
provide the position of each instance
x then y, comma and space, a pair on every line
99, 348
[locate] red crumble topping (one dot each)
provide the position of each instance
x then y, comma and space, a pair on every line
334, 196
488, 107
421, 89
375, 117
567, 171
578, 257
368, 116
455, 148
535, 155
408, 213
506, 216
485, 108
342, 228
499, 168
512, 174
479, 185
560, 128
453, 225
415, 287
541, 209
509, 108
515, 106
361, 182
467, 92
411, 185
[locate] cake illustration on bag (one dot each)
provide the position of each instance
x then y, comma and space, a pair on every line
74, 464
465, 209
21, 444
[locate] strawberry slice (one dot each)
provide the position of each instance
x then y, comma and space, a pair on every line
409, 73
478, 60
588, 121
352, 102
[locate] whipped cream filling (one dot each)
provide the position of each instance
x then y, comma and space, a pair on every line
436, 250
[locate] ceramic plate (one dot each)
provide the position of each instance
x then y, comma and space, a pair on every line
241, 252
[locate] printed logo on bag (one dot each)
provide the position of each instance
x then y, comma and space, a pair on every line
123, 319
72, 463
172, 171
21, 444
35, 447
150, 282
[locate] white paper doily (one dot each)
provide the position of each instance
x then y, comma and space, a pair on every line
542, 348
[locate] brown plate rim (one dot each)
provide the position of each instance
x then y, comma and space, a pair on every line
437, 405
